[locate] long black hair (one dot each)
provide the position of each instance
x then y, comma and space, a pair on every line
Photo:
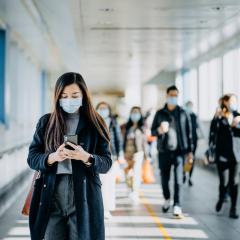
57, 126
140, 123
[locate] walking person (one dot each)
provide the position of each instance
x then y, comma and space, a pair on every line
225, 131
134, 149
172, 127
109, 179
195, 128
67, 200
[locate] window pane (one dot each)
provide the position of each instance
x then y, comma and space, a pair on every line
179, 85
203, 91
210, 88
214, 84
190, 85
2, 75
231, 72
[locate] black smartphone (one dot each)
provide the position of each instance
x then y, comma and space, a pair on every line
72, 139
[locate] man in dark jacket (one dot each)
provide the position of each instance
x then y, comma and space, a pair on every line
172, 126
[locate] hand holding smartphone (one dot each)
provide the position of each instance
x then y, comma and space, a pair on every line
77, 153
72, 139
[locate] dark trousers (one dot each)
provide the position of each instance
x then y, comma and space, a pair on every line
166, 161
229, 177
62, 224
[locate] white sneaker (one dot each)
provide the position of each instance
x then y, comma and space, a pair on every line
177, 211
107, 215
166, 206
134, 197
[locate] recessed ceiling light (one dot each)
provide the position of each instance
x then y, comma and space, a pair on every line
217, 8
106, 9
203, 21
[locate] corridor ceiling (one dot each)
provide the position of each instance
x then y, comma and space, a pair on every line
114, 42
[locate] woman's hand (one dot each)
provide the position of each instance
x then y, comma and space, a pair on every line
236, 121
121, 160
78, 153
57, 156
189, 158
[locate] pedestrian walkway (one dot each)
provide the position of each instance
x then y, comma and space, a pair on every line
146, 221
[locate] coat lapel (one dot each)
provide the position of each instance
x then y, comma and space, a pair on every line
82, 122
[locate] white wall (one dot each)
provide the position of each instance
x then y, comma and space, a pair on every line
23, 102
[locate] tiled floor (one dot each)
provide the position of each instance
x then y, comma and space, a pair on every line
146, 221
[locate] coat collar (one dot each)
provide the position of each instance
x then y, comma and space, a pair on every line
82, 122
165, 108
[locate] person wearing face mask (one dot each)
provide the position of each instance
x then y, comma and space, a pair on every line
109, 179
172, 127
195, 128
67, 200
134, 150
226, 133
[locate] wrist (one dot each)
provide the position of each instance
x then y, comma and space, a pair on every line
89, 161
51, 159
87, 157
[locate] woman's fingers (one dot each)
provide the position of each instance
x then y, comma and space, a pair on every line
75, 147
62, 159
62, 156
61, 147
71, 154
67, 151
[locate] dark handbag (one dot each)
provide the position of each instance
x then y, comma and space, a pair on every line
210, 154
26, 207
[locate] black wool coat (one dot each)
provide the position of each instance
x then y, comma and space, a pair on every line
87, 185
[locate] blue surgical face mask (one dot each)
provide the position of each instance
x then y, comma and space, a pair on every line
233, 106
172, 100
104, 113
70, 105
135, 117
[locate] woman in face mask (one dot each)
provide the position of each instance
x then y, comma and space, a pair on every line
67, 201
226, 133
109, 179
134, 149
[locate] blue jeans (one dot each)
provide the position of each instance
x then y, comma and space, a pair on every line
166, 160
